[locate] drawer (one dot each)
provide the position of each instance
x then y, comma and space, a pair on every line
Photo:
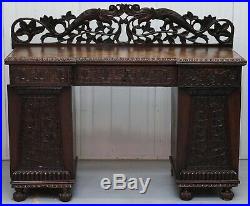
125, 75
40, 75
209, 76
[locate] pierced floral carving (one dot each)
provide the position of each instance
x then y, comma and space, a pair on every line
141, 25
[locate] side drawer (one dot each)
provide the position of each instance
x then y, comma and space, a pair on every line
40, 75
125, 75
209, 76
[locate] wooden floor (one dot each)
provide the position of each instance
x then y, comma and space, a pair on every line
161, 189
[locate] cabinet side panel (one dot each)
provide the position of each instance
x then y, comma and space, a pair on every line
67, 130
14, 126
174, 116
183, 128
234, 106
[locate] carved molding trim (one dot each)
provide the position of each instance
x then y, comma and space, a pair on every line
95, 26
42, 185
96, 60
40, 175
206, 185
214, 60
208, 175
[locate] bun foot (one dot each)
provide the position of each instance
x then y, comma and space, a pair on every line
185, 194
65, 195
19, 195
226, 194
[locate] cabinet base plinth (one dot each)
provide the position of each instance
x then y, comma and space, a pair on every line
21, 188
204, 181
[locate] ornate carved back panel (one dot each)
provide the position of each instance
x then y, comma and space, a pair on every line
124, 23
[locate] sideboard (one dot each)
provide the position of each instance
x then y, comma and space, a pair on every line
205, 79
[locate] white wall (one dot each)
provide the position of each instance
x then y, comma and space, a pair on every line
111, 119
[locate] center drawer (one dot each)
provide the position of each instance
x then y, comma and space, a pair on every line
125, 75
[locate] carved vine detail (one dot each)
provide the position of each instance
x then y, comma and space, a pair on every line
113, 75
140, 25
21, 75
209, 77
40, 139
208, 146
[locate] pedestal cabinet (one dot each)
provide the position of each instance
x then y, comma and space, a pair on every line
205, 80
41, 141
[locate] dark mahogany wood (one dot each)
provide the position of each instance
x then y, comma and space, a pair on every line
41, 141
106, 26
206, 81
123, 54
204, 152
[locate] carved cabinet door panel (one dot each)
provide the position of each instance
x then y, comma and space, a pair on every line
40, 126
208, 133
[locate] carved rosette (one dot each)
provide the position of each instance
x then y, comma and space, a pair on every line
141, 25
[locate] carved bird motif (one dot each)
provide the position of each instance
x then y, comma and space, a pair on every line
143, 15
84, 18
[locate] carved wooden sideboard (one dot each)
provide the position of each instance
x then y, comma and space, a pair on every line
206, 93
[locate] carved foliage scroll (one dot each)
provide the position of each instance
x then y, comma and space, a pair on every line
124, 23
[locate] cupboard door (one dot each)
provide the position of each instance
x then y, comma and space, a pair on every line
40, 124
208, 133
